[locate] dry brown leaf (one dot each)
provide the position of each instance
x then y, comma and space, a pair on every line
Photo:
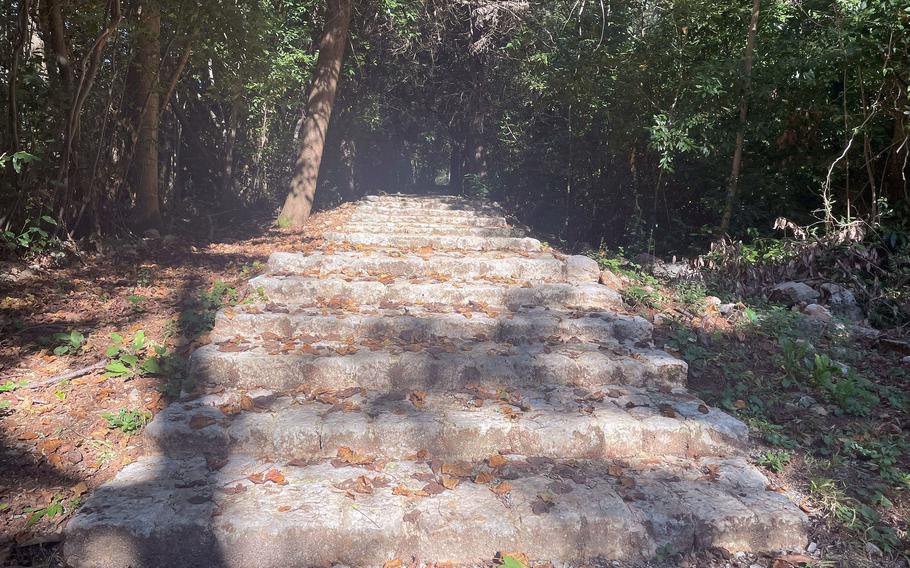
276, 477
394, 563
457, 469
496, 461
483, 477
449, 482
418, 398
502, 488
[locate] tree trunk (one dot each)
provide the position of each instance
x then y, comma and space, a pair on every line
299, 202
896, 169
147, 212
13, 78
733, 185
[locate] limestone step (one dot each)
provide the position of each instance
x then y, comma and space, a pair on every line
428, 202
393, 228
613, 423
408, 218
425, 214
302, 289
189, 512
281, 323
391, 366
443, 242
495, 265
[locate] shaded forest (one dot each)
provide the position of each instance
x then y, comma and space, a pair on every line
649, 125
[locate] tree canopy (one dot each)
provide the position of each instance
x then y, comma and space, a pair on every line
598, 122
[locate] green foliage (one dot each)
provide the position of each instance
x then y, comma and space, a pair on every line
838, 507
68, 343
202, 317
17, 160
128, 359
36, 514
774, 460
10, 385
127, 421
33, 238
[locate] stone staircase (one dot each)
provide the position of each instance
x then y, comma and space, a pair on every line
432, 386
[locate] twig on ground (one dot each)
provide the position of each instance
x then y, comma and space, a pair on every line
70, 375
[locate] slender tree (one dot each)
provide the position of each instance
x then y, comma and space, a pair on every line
733, 184
299, 201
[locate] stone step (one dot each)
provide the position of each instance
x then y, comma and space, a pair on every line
392, 366
411, 218
405, 241
534, 267
425, 214
428, 202
419, 325
302, 289
613, 423
393, 228
179, 513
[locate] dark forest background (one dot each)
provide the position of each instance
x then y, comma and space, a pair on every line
600, 123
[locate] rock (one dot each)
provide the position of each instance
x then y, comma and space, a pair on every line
581, 268
812, 548
842, 302
726, 309
818, 311
864, 332
10, 273
712, 301
807, 401
608, 278
873, 550
151, 234
792, 293
906, 361
819, 410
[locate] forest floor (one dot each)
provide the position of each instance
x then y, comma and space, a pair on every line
126, 321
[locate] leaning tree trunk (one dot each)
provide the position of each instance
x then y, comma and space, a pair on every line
299, 202
733, 185
147, 212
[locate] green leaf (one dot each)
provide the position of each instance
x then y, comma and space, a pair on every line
76, 338
116, 338
61, 350
129, 359
117, 368
35, 517
150, 366
509, 561
112, 351
139, 340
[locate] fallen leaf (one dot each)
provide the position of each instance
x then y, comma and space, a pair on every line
276, 477
502, 488
483, 477
239, 488
394, 563
284, 509
457, 469
418, 398
449, 482
496, 461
